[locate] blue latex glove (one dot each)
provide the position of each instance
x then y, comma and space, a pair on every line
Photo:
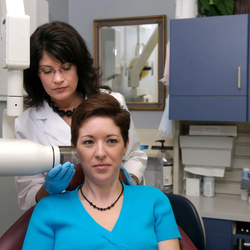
58, 178
128, 178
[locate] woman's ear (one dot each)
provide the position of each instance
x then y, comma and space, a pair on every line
74, 149
126, 147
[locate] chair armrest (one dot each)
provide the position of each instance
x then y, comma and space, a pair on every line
13, 238
185, 242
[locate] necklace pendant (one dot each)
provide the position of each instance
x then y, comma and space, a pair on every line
59, 111
68, 113
100, 208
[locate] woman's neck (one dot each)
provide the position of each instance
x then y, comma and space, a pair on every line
68, 104
101, 192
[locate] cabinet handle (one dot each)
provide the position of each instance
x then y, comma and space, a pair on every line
239, 78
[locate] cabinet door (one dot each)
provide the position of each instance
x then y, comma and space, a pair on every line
218, 234
206, 57
208, 108
205, 54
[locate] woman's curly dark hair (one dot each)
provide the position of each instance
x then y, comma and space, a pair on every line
63, 43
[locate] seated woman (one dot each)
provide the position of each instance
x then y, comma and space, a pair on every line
103, 213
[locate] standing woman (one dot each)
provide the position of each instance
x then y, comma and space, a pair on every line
60, 77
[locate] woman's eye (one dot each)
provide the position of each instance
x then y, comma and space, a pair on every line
88, 142
112, 141
66, 68
46, 72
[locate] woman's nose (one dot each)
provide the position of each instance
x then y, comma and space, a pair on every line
100, 151
58, 76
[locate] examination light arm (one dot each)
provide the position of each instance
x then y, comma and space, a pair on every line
134, 73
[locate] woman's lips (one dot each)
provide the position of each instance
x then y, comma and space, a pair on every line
101, 166
60, 89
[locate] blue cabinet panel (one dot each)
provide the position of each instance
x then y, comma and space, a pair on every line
208, 108
248, 106
207, 55
218, 234
215, 226
218, 241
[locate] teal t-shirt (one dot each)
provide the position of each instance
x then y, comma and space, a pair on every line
61, 222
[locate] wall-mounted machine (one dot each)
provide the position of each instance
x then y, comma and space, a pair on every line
22, 157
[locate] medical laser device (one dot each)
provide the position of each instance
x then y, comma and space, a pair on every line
24, 157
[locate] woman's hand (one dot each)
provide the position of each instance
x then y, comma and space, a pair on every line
58, 178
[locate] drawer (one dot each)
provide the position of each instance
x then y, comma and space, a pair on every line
218, 241
215, 226
218, 234
246, 238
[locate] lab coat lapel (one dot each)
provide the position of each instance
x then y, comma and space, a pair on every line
55, 128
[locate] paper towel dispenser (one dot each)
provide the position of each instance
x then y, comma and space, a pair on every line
207, 155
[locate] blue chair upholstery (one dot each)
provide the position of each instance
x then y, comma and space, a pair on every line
188, 218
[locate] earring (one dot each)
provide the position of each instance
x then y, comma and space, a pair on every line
75, 153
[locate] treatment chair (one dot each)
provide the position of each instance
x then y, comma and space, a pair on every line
13, 238
188, 218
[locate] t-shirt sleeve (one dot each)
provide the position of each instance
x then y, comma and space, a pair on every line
40, 234
165, 225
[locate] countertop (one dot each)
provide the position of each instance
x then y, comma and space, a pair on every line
222, 207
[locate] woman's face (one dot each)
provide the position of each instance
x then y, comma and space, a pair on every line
59, 80
100, 148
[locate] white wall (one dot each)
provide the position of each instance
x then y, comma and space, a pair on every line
58, 10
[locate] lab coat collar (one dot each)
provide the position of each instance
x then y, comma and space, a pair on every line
55, 128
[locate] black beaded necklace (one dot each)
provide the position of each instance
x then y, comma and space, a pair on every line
100, 208
59, 111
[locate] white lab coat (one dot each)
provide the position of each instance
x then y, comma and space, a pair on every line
46, 127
